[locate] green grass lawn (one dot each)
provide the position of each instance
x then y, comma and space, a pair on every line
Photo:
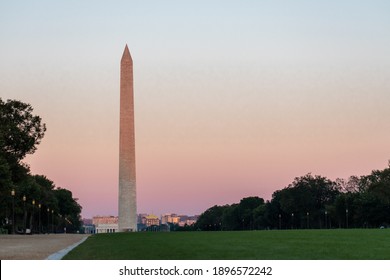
352, 244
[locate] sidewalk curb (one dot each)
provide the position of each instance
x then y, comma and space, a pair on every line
60, 254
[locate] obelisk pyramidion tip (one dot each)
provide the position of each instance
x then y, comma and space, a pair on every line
126, 55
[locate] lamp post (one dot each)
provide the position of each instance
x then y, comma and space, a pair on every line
346, 216
39, 219
32, 218
326, 219
13, 210
48, 222
280, 221
60, 220
52, 221
25, 214
292, 220
307, 217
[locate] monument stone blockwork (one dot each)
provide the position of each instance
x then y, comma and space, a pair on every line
127, 214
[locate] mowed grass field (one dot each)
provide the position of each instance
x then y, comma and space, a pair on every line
351, 244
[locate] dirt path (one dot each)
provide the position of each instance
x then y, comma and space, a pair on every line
35, 247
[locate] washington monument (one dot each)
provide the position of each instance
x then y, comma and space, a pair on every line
127, 218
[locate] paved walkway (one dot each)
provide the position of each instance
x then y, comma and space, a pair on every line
37, 247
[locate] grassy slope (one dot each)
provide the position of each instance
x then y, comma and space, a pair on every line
291, 244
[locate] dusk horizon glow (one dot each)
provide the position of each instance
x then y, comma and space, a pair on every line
231, 99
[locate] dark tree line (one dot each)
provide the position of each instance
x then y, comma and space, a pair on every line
310, 202
29, 201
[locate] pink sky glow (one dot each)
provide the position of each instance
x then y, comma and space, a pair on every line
229, 103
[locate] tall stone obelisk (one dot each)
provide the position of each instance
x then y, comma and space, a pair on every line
127, 218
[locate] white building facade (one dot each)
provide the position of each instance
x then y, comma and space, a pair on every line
105, 224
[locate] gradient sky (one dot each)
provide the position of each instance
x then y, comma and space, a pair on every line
232, 98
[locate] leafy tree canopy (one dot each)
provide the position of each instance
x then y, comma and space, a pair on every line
20, 130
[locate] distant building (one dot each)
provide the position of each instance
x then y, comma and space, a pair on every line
180, 220
88, 227
191, 220
141, 218
170, 218
187, 220
152, 220
145, 222
105, 224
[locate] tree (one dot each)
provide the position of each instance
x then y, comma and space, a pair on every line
211, 219
352, 185
259, 218
36, 202
248, 214
249, 210
374, 199
5, 188
68, 210
310, 202
232, 219
274, 216
20, 130
20, 133
308, 197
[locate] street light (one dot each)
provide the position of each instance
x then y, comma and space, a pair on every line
307, 216
292, 220
326, 219
13, 210
39, 221
32, 220
48, 221
52, 221
60, 216
280, 221
25, 214
346, 216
